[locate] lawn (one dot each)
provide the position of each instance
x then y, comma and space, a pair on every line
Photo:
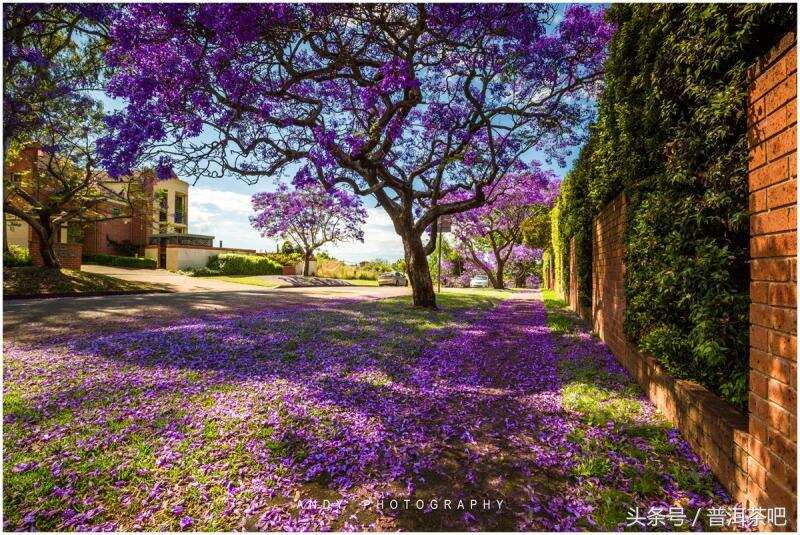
255, 280
273, 282
34, 281
251, 421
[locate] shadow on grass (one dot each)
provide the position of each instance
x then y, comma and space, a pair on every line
333, 397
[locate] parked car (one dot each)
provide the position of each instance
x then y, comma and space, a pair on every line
392, 278
479, 281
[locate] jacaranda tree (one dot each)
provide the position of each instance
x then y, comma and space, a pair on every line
52, 55
309, 217
406, 102
490, 237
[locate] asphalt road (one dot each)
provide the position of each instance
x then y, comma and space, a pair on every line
35, 319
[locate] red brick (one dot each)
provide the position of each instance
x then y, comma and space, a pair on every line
773, 173
759, 384
774, 245
768, 126
778, 418
759, 293
782, 394
783, 294
782, 194
756, 157
769, 365
757, 427
759, 337
781, 144
773, 75
784, 319
780, 94
783, 345
782, 447
771, 269
758, 201
778, 220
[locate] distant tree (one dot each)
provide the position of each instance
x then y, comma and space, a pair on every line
399, 265
309, 217
536, 229
287, 247
65, 187
52, 55
489, 237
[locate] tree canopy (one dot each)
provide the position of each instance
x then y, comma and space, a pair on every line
406, 102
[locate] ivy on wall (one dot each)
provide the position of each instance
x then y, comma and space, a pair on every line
560, 251
671, 135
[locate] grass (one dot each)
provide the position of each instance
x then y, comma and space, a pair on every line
114, 474
273, 282
607, 398
361, 282
254, 280
35, 281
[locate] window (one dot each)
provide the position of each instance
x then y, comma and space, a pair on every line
179, 211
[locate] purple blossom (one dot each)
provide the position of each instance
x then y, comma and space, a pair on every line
309, 215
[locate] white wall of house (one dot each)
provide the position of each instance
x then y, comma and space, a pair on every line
174, 188
185, 257
17, 231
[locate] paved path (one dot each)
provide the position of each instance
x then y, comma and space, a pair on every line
172, 281
183, 283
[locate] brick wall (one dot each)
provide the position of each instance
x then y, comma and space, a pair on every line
772, 122
753, 456
69, 254
715, 430
608, 274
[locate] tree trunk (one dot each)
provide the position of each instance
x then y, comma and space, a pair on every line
46, 237
418, 273
499, 283
306, 262
5, 233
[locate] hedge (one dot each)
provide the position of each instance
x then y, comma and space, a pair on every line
120, 261
671, 135
243, 264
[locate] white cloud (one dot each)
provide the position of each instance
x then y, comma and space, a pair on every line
380, 240
225, 215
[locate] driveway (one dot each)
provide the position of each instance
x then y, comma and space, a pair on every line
173, 281
183, 283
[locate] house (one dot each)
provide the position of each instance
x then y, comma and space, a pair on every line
156, 227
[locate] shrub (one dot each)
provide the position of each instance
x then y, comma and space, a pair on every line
285, 259
120, 261
671, 135
203, 272
336, 269
243, 264
16, 256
